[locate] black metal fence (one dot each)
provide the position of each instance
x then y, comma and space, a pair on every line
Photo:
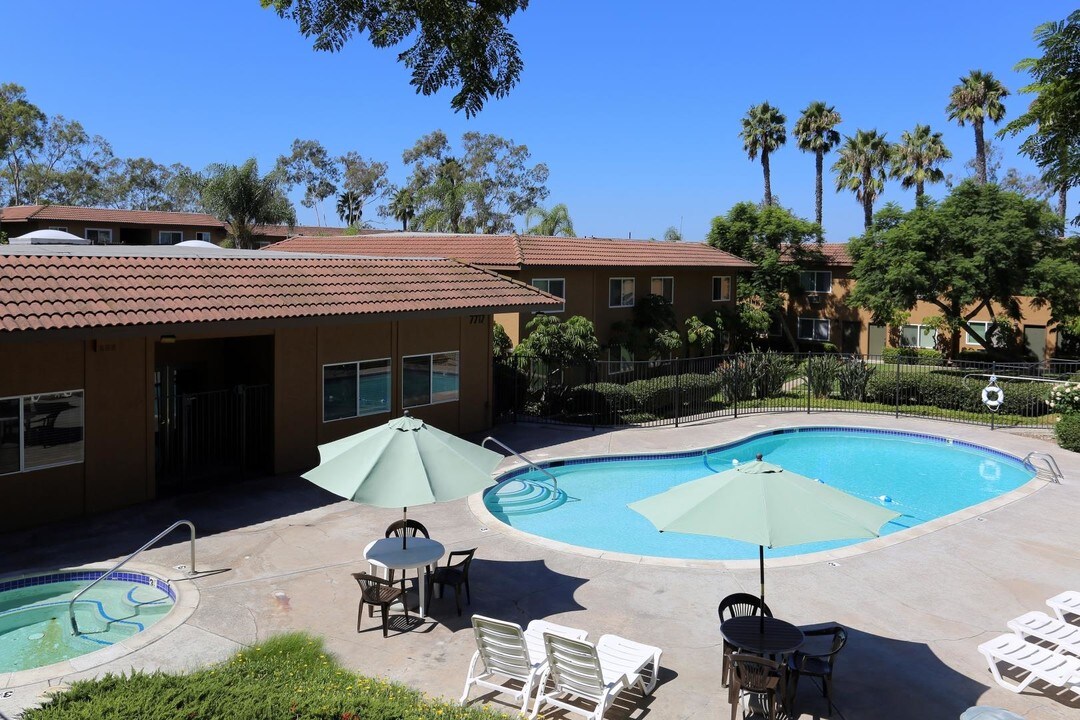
668, 392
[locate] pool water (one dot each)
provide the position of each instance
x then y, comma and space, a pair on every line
35, 629
921, 477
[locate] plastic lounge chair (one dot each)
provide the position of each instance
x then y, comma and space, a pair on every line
503, 648
594, 672
1066, 603
1041, 626
737, 605
1061, 671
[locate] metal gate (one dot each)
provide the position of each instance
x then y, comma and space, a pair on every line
211, 437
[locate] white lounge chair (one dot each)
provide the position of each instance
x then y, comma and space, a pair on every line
1061, 671
1066, 602
1041, 626
504, 649
595, 672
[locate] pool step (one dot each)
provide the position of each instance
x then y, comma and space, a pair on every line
519, 496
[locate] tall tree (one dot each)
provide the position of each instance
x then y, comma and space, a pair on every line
861, 168
22, 127
241, 198
763, 132
555, 221
980, 248
362, 181
458, 43
310, 166
815, 131
915, 158
977, 99
672, 234
1053, 117
444, 201
402, 206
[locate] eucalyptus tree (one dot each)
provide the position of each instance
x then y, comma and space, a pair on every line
310, 166
243, 200
861, 168
977, 99
915, 158
815, 131
763, 132
556, 221
362, 181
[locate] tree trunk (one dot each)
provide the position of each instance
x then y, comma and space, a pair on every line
1063, 193
867, 201
405, 223
819, 157
768, 183
787, 332
980, 152
918, 191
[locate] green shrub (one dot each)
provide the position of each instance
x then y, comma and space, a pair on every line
637, 418
1065, 398
910, 356
1030, 399
769, 371
942, 390
853, 377
610, 400
1067, 431
735, 380
821, 373
656, 395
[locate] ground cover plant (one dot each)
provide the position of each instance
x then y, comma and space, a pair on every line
289, 676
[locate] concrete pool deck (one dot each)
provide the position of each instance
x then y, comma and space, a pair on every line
916, 607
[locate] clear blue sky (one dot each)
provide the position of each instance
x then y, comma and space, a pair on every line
634, 105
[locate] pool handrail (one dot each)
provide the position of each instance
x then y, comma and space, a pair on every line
1056, 476
522, 458
117, 566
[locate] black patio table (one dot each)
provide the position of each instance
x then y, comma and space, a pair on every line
762, 636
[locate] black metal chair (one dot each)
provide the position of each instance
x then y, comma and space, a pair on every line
737, 605
456, 574
374, 591
757, 676
406, 528
817, 664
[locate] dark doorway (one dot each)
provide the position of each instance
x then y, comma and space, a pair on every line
850, 337
134, 236
213, 407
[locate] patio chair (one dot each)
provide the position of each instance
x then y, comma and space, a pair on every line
1059, 671
407, 528
376, 591
504, 649
1066, 603
597, 673
737, 605
1041, 626
455, 574
758, 677
819, 665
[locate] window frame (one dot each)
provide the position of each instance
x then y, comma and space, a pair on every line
986, 325
87, 231
61, 228
817, 274
170, 232
431, 378
654, 278
724, 297
622, 365
22, 431
204, 235
813, 333
633, 291
562, 308
389, 396
919, 333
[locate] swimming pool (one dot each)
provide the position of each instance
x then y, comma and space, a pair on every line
34, 627
921, 476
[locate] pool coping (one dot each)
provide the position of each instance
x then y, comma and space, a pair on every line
187, 600
480, 511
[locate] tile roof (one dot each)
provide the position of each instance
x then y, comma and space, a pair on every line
828, 254
514, 251
61, 288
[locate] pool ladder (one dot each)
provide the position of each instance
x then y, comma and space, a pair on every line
522, 458
122, 563
1049, 464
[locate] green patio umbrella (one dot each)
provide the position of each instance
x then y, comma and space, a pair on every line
403, 463
761, 503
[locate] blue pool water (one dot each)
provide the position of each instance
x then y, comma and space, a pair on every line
921, 477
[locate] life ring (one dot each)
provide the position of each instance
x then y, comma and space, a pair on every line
993, 397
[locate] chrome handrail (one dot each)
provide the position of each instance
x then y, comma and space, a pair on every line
519, 456
1055, 472
117, 566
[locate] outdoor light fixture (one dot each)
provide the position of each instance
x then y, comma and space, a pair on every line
168, 339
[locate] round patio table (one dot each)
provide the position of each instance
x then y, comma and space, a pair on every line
420, 552
775, 637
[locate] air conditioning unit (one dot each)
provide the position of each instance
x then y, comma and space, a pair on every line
816, 299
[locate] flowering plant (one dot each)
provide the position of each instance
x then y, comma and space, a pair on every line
1065, 398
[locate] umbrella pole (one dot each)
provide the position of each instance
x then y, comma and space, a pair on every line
405, 530
761, 574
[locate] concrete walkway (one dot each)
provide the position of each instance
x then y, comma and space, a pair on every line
916, 609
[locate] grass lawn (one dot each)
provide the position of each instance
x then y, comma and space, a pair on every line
289, 677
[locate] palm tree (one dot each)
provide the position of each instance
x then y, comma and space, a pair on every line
402, 206
763, 132
861, 169
976, 98
241, 199
555, 221
443, 202
815, 132
913, 159
350, 208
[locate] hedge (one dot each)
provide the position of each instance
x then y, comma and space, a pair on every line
1068, 432
910, 356
951, 392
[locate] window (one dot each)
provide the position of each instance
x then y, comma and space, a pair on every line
555, 286
983, 327
918, 336
816, 281
169, 237
620, 292
99, 236
620, 360
664, 287
721, 289
204, 235
59, 227
354, 389
814, 329
430, 379
40, 431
